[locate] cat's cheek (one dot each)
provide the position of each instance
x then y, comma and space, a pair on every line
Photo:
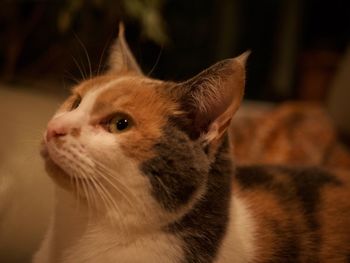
105, 149
97, 140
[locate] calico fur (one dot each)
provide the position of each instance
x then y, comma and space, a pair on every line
295, 224
166, 189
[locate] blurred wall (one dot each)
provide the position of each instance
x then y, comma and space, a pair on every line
25, 190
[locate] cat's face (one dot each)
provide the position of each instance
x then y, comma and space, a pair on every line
106, 139
137, 149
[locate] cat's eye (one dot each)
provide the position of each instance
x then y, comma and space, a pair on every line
119, 123
76, 103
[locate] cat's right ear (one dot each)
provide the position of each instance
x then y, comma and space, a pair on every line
211, 98
121, 60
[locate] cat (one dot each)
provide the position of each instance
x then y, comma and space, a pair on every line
292, 133
144, 173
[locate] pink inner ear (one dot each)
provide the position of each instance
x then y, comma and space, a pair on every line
213, 96
220, 101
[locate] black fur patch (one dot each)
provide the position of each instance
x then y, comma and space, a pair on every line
178, 171
288, 245
204, 227
256, 176
262, 177
309, 182
180, 168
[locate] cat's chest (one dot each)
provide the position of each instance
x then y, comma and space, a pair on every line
161, 247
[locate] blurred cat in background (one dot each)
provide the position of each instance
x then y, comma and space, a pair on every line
294, 133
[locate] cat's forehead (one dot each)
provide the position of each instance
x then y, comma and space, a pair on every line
124, 83
133, 94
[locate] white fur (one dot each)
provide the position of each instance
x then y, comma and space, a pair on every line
74, 237
81, 115
238, 244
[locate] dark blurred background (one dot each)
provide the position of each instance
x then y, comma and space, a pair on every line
297, 45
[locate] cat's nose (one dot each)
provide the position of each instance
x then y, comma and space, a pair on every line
55, 129
64, 124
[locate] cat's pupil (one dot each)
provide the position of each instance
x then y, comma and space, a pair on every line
122, 124
119, 123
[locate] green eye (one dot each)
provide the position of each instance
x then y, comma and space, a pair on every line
119, 123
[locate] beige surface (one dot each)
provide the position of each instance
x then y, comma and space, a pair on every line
25, 190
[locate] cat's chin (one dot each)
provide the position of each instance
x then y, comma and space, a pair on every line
58, 175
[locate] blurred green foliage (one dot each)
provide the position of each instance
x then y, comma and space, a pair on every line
146, 12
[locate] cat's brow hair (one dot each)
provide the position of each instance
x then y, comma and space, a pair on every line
90, 90
91, 84
83, 88
121, 88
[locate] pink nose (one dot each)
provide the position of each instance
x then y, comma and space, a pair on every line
55, 129
60, 127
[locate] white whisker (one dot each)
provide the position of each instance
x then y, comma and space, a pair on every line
107, 174
164, 187
82, 72
87, 195
89, 177
106, 196
105, 170
113, 183
86, 54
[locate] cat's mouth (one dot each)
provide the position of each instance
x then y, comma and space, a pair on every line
44, 152
56, 173
53, 169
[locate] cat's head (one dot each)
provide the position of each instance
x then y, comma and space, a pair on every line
139, 149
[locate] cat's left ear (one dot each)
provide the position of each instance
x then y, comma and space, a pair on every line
121, 59
211, 98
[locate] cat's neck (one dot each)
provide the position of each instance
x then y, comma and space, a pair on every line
211, 213
76, 236
74, 219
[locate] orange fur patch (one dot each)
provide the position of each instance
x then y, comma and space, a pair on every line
142, 100
277, 222
269, 217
